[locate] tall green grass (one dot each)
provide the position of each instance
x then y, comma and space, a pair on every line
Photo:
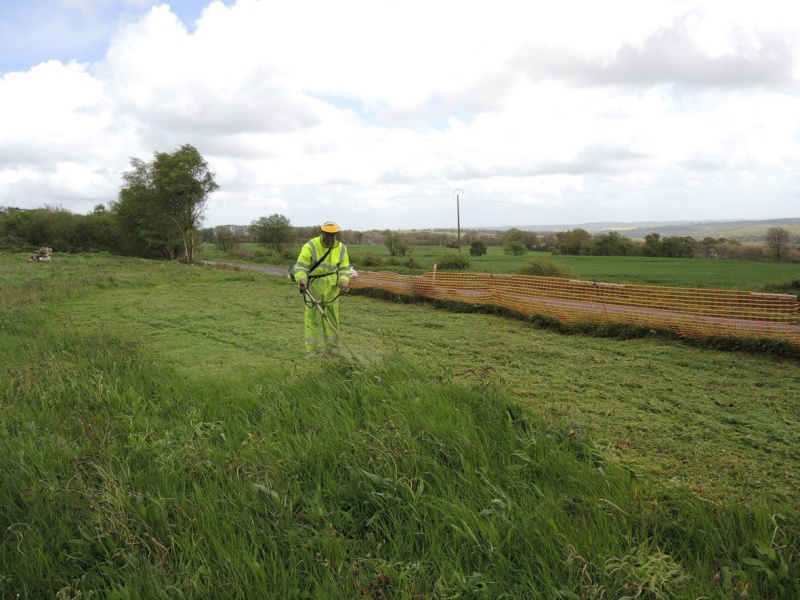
130, 472
124, 479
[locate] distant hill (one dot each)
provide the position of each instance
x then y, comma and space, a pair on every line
744, 231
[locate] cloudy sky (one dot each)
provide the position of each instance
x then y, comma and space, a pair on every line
373, 113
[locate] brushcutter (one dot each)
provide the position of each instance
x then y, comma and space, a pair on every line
318, 304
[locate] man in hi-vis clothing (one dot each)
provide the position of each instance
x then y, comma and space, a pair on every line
323, 268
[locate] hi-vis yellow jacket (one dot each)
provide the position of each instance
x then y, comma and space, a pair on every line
332, 270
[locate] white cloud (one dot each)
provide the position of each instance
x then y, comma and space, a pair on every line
372, 112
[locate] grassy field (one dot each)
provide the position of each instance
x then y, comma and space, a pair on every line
695, 272
163, 436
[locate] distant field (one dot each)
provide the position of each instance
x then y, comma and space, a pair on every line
744, 231
694, 272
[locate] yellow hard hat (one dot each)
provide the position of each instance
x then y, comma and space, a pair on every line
330, 227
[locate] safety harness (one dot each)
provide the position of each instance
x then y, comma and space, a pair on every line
308, 302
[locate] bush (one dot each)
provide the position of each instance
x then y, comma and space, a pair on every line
396, 243
545, 267
408, 262
452, 261
413, 263
788, 285
370, 259
241, 253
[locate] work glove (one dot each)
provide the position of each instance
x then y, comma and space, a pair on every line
344, 287
302, 285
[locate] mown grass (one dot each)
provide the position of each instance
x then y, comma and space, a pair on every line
164, 437
682, 272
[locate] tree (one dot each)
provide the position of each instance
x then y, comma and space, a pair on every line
515, 248
652, 244
396, 243
161, 204
611, 244
352, 237
224, 237
777, 239
274, 231
677, 247
57, 228
514, 235
531, 240
528, 238
575, 241
95, 230
477, 248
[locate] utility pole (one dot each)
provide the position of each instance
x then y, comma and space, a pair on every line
458, 192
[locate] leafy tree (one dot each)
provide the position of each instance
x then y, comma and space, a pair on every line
274, 231
531, 240
94, 231
207, 235
677, 247
777, 239
528, 238
22, 228
515, 248
305, 233
352, 237
575, 241
56, 227
47, 226
224, 237
161, 204
396, 243
242, 233
652, 244
32, 227
514, 235
611, 244
477, 248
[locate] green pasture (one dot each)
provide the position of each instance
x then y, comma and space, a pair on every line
164, 436
683, 272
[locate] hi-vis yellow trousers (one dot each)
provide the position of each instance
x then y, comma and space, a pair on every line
320, 338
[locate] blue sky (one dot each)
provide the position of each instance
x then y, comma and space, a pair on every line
34, 31
371, 112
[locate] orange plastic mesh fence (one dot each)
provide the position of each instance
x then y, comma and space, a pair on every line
690, 312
